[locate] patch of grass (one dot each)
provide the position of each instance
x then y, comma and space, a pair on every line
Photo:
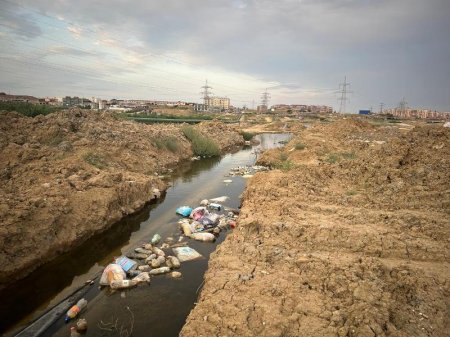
348, 155
247, 135
201, 145
332, 158
351, 192
283, 156
28, 109
96, 160
285, 165
170, 143
299, 146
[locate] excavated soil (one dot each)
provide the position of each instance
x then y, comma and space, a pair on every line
67, 176
348, 237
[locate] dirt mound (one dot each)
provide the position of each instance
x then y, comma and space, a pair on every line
352, 243
71, 174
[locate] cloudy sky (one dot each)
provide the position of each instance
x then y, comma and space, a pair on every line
300, 50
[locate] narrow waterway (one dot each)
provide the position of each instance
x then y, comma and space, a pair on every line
158, 309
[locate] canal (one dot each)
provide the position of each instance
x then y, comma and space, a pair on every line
157, 309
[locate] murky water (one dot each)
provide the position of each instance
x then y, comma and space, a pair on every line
158, 309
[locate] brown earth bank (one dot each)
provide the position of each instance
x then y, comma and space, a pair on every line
69, 175
349, 237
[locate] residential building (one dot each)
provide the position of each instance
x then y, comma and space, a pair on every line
222, 103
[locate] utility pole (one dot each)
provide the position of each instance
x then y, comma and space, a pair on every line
381, 107
343, 91
265, 96
206, 94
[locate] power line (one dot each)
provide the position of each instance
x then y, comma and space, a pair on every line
381, 107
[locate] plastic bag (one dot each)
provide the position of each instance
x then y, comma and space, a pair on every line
186, 254
184, 211
112, 272
125, 263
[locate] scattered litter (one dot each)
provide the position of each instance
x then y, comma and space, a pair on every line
204, 202
142, 251
161, 270
184, 211
81, 325
123, 284
138, 256
215, 206
158, 251
227, 181
74, 332
125, 263
206, 237
176, 274
144, 268
186, 228
246, 171
112, 272
198, 212
219, 199
75, 310
143, 277
155, 239
186, 254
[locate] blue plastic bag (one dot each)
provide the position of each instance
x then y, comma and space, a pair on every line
184, 211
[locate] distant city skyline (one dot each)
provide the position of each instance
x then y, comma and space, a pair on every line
298, 50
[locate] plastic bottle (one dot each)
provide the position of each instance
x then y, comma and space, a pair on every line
75, 310
155, 239
122, 284
206, 237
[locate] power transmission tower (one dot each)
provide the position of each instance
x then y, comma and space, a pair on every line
206, 93
343, 91
381, 107
403, 106
265, 97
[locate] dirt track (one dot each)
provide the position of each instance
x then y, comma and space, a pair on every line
350, 238
67, 176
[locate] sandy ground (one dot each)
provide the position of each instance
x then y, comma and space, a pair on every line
347, 236
67, 176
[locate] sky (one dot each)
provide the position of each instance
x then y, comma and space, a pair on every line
299, 50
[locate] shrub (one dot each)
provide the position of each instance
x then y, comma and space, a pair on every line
247, 135
299, 146
95, 160
170, 143
201, 145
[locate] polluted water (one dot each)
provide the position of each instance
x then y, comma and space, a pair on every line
162, 256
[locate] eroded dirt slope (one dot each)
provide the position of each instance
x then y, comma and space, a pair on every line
350, 238
69, 175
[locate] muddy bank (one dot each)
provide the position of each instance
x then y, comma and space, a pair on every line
67, 176
349, 237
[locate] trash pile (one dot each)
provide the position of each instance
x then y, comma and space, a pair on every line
246, 171
203, 223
